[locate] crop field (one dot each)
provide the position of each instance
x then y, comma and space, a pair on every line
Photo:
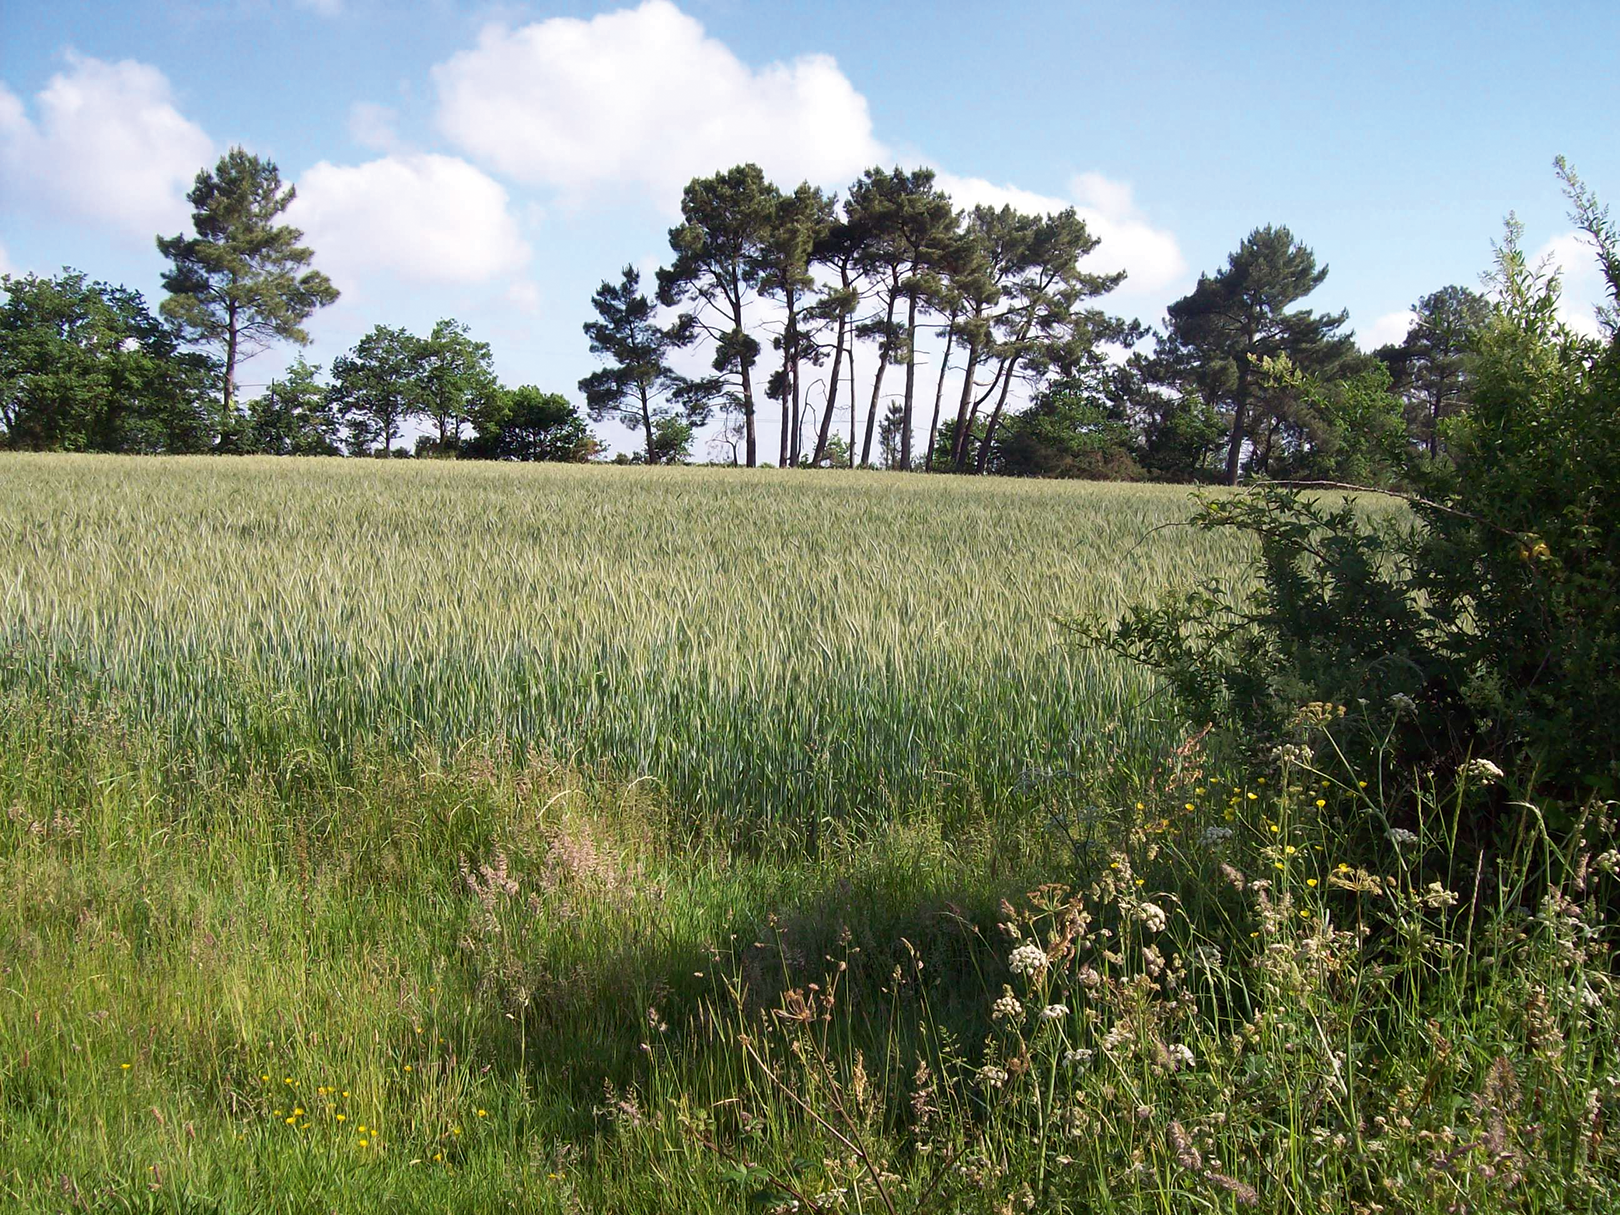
417, 837
771, 649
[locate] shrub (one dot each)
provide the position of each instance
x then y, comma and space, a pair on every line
1479, 619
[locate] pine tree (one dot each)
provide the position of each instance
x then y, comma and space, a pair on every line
726, 220
1433, 358
241, 282
638, 386
802, 219
1218, 334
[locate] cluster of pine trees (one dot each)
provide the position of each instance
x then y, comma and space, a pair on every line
787, 290
781, 297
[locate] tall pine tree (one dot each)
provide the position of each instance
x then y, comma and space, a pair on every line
1218, 334
242, 281
726, 220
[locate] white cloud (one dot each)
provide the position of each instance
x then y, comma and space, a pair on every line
1151, 256
5, 262
108, 145
1571, 254
425, 218
324, 8
373, 126
1389, 329
643, 98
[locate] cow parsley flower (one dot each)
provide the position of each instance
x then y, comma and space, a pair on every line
1027, 960
1482, 771
1006, 1005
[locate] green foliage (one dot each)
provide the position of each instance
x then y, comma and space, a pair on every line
1483, 622
1244, 314
672, 440
84, 366
1069, 432
294, 417
528, 424
242, 281
1351, 429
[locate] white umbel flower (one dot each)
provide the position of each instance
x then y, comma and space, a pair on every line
1027, 960
1481, 771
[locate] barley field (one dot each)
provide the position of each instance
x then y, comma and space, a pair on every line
770, 648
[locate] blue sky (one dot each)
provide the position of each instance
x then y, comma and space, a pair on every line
494, 162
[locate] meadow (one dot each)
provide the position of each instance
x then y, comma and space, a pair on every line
421, 837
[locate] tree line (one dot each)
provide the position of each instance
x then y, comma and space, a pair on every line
780, 297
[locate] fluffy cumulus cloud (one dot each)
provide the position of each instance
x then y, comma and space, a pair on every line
643, 98
1583, 288
424, 218
106, 144
1389, 329
1150, 256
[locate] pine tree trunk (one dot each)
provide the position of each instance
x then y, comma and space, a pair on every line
832, 392
1240, 409
228, 406
854, 412
911, 380
796, 449
959, 439
743, 366
877, 382
983, 461
647, 427
782, 455
939, 395
973, 410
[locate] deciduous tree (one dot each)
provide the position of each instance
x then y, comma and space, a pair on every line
84, 366
294, 417
455, 377
528, 424
375, 388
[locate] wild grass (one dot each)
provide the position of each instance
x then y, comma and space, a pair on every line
298, 914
